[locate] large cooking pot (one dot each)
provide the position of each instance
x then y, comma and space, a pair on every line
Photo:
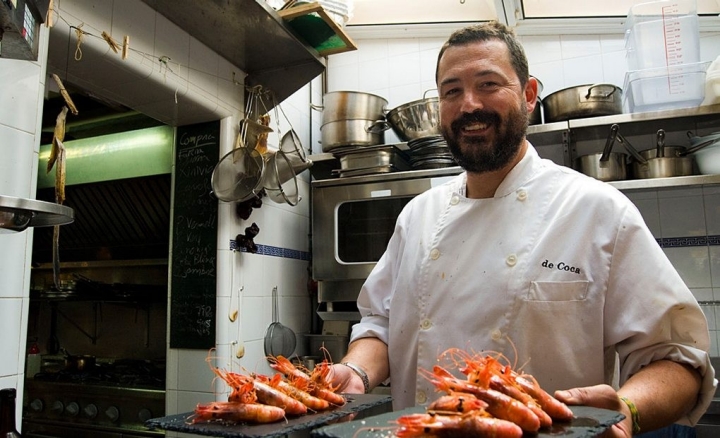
583, 101
349, 105
416, 119
356, 132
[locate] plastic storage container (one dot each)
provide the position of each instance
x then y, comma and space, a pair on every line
654, 89
662, 33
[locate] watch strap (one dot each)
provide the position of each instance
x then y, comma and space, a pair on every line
362, 374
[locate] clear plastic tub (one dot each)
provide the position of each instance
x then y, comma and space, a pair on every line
662, 33
654, 89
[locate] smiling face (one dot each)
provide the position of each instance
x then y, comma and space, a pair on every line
484, 107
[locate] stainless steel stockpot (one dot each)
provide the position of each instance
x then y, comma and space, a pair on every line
350, 105
356, 132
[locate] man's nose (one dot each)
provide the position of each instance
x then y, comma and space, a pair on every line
471, 102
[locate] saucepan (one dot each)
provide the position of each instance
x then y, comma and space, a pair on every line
663, 161
78, 363
605, 166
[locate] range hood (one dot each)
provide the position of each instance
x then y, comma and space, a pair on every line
119, 186
17, 214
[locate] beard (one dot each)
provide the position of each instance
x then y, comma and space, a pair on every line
477, 154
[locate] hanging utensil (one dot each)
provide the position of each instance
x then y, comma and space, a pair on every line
279, 339
237, 176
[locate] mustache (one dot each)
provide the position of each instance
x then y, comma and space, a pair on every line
477, 116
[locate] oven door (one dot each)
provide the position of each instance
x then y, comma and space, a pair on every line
352, 221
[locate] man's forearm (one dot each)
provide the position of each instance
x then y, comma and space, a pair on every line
663, 392
370, 354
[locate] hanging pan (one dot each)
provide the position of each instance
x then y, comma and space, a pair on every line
279, 339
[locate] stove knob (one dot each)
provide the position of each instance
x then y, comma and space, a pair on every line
144, 415
36, 405
72, 409
112, 413
90, 411
57, 407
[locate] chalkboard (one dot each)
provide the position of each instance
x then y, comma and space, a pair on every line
194, 249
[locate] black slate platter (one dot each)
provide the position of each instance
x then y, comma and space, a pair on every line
588, 422
357, 403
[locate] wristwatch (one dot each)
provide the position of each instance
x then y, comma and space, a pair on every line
359, 371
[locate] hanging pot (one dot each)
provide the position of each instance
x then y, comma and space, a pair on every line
583, 101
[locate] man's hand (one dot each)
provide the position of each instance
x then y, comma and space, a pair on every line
346, 380
604, 397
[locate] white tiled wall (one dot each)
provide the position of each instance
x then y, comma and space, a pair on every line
21, 92
402, 69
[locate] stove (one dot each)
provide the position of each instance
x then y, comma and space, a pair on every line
107, 401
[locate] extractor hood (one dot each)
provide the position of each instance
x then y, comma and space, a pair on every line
17, 214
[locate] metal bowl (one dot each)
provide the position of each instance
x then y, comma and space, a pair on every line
416, 119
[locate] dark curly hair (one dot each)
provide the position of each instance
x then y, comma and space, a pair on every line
491, 30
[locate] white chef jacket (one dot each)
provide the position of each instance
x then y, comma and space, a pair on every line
559, 264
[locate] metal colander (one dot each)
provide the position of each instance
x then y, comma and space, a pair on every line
279, 339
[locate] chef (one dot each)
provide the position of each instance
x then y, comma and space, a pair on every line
517, 255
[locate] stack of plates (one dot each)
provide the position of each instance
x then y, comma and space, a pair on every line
340, 10
430, 153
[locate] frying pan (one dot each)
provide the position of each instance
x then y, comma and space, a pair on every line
279, 339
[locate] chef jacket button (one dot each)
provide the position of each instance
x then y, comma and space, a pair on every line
454, 200
511, 260
435, 254
521, 195
496, 335
421, 397
426, 324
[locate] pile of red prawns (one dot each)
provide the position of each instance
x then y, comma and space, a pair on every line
491, 400
257, 398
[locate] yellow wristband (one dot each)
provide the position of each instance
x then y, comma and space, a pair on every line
634, 414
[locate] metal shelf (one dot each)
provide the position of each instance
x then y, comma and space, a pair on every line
252, 36
657, 183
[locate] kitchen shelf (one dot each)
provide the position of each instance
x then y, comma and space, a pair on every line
656, 183
560, 142
317, 28
252, 36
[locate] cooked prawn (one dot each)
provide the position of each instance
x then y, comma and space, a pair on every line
423, 425
310, 401
237, 412
499, 404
